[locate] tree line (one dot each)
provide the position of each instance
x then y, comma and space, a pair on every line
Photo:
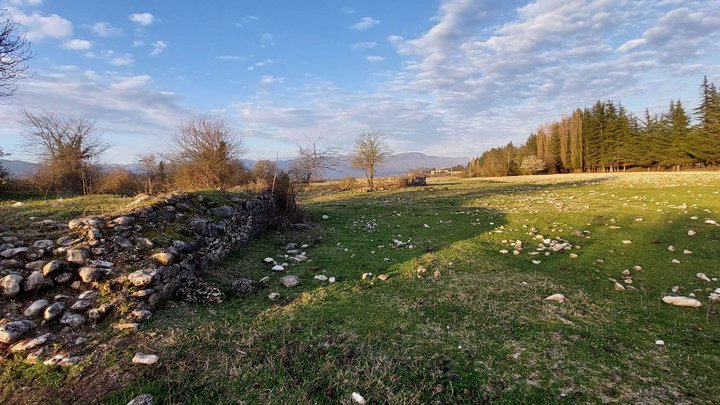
606, 138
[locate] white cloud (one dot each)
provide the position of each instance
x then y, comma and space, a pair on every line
246, 20
158, 47
38, 26
269, 80
129, 110
364, 45
143, 19
230, 58
374, 58
364, 24
125, 59
262, 63
348, 10
21, 3
77, 44
105, 29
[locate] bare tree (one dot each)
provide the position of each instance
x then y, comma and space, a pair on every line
370, 152
68, 148
14, 55
4, 173
208, 153
313, 160
152, 172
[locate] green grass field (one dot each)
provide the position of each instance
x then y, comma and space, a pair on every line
471, 326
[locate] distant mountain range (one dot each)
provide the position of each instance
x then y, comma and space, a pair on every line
395, 165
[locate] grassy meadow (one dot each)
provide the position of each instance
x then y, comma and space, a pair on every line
457, 321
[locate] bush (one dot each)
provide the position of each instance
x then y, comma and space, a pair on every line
348, 183
119, 181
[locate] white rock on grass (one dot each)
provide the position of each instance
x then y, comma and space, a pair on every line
692, 233
325, 217
278, 268
536, 262
619, 287
320, 277
573, 256
357, 398
627, 242
269, 260
702, 277
687, 252
660, 342
331, 280
146, 359
556, 298
682, 301
671, 248
142, 399
274, 296
290, 281
675, 261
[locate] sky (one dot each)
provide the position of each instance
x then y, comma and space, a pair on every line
447, 78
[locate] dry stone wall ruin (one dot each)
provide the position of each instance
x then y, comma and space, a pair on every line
116, 270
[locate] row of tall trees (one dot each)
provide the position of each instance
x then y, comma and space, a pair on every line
606, 137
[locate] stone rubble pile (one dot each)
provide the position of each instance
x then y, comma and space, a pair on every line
119, 268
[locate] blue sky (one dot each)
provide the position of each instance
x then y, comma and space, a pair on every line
449, 77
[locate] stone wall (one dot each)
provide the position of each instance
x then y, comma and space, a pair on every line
116, 270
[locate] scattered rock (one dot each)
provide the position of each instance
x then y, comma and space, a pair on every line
12, 331
556, 298
660, 342
81, 305
53, 267
321, 277
72, 320
383, 277
702, 277
278, 268
165, 259
142, 278
90, 274
244, 286
11, 285
682, 301
142, 399
79, 256
290, 281
30, 344
53, 311
274, 296
356, 397
691, 233
367, 276
35, 308
619, 287
146, 359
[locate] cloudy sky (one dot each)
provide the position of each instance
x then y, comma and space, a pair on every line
449, 77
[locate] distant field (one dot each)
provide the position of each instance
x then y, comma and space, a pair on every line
457, 321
